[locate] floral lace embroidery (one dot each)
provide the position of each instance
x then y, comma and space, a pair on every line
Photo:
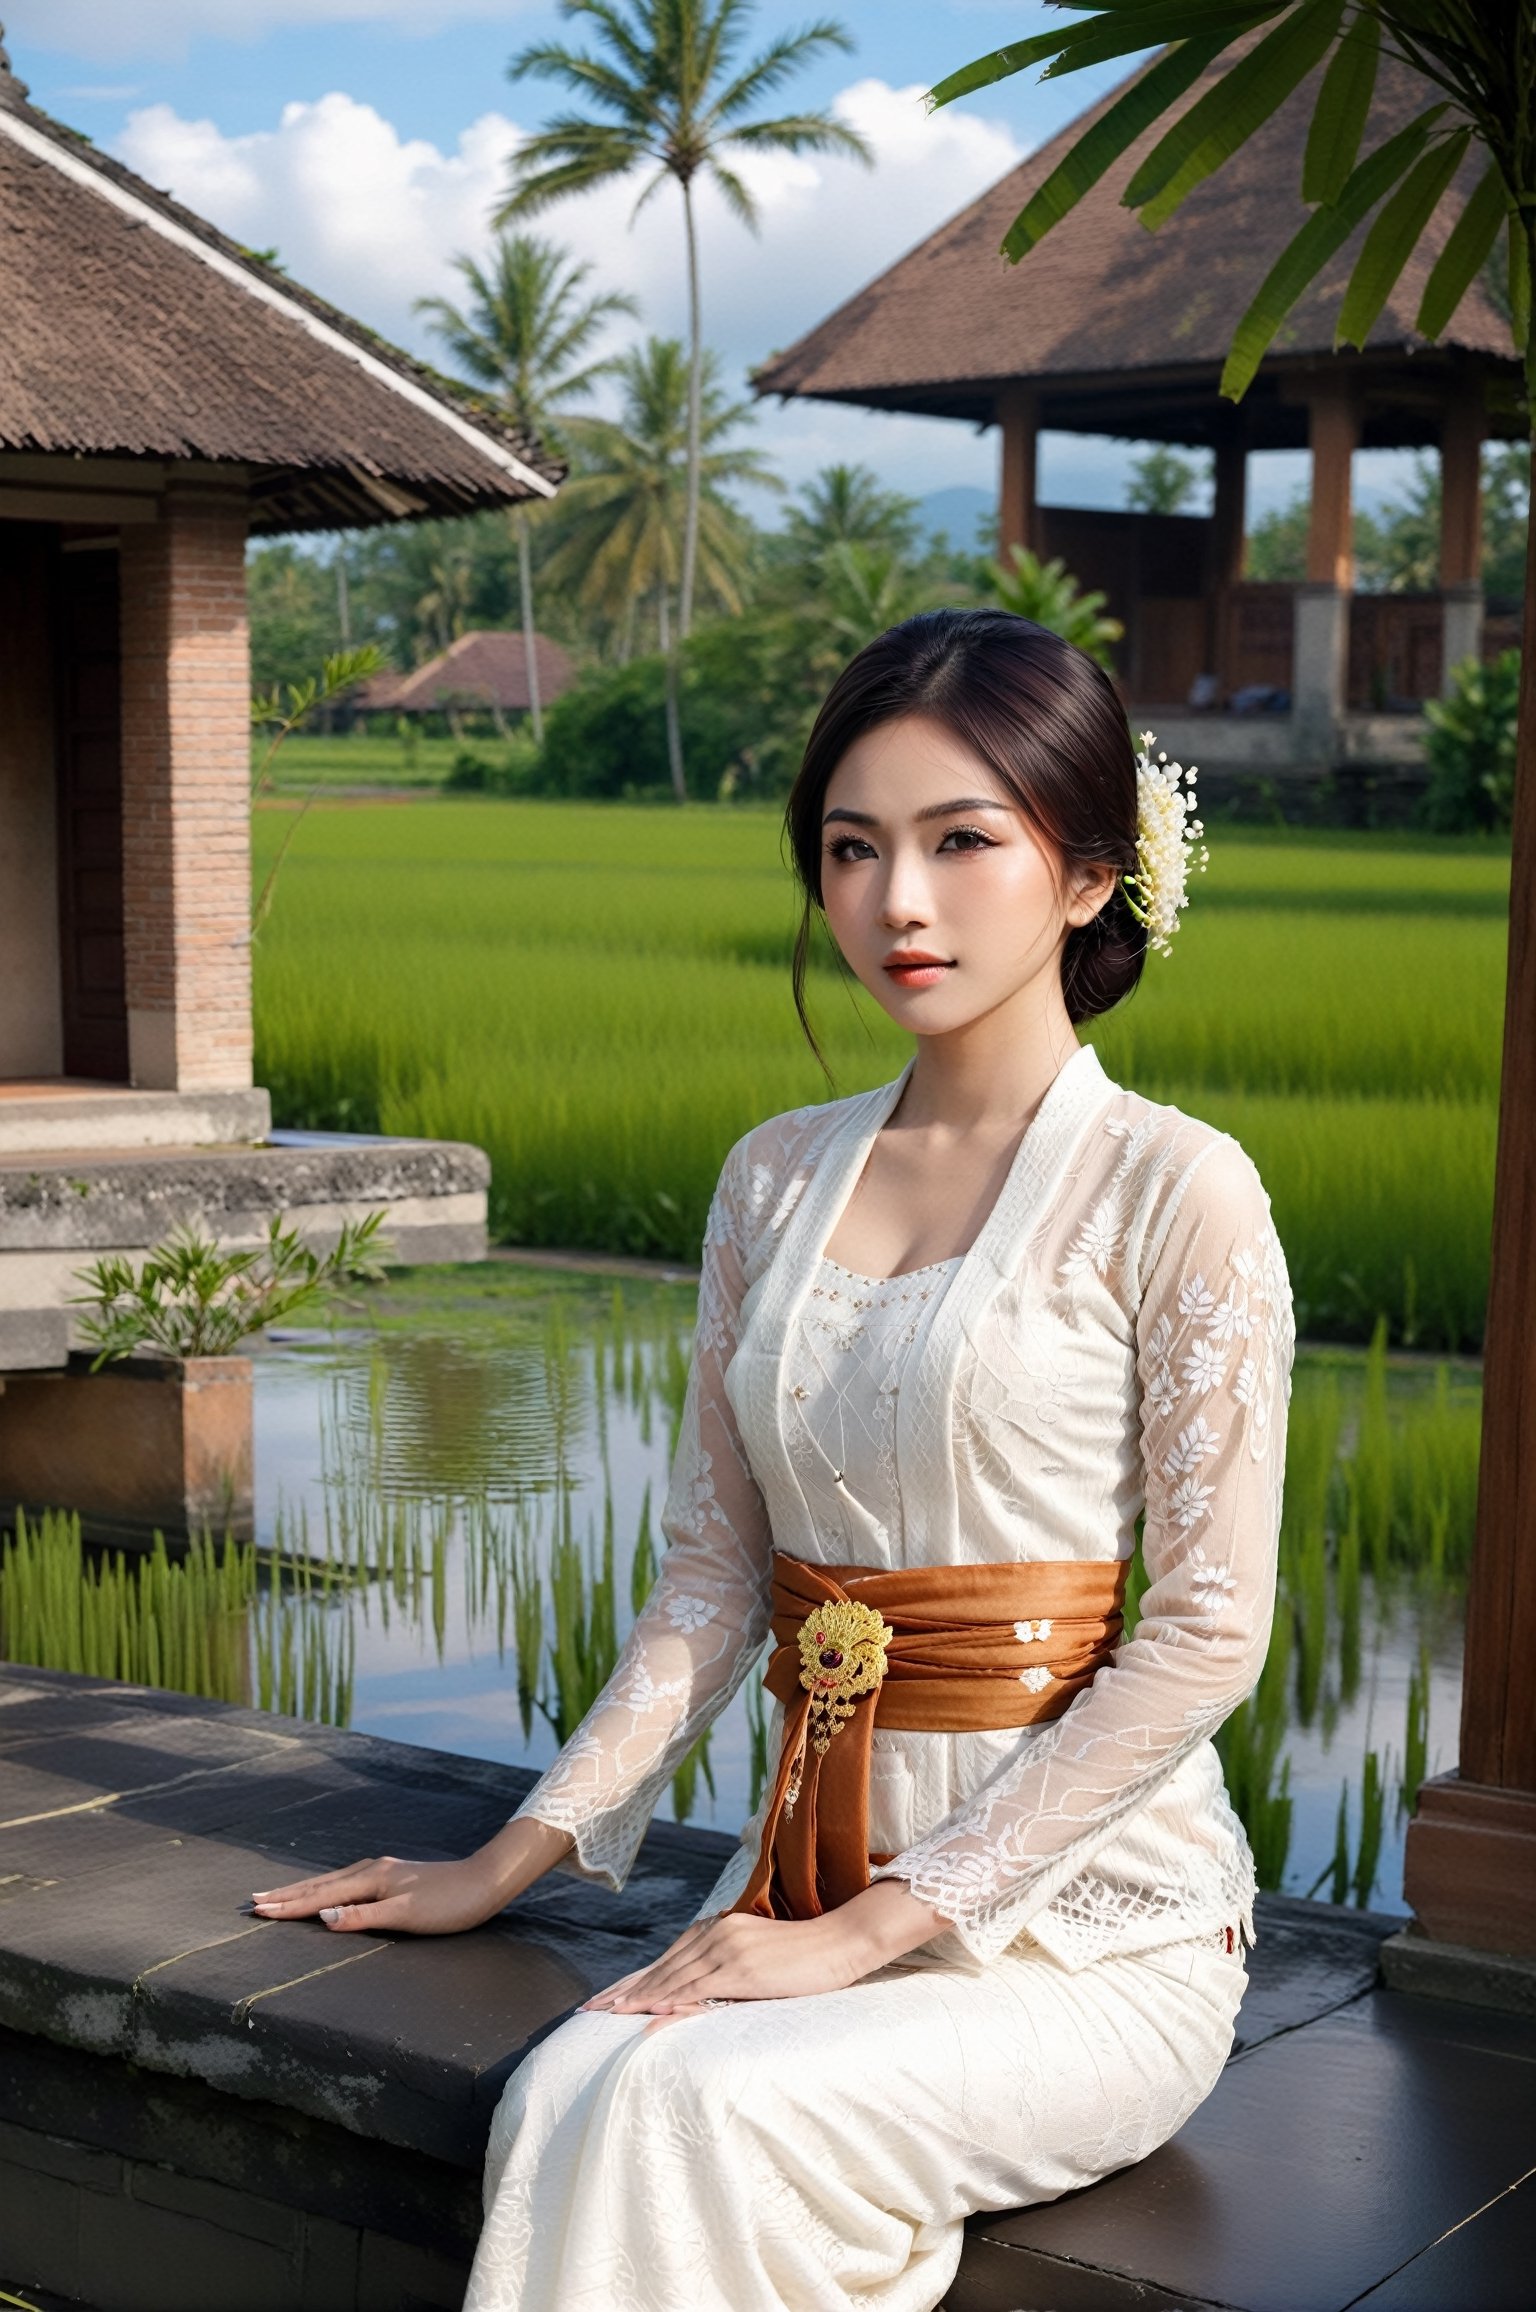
1169, 1273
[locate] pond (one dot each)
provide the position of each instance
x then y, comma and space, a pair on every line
485, 1452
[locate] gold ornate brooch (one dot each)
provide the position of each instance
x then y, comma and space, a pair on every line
842, 1658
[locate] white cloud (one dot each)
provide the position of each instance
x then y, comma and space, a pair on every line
102, 29
373, 220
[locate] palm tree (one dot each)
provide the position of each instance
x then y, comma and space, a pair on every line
524, 333
849, 505
664, 93
621, 516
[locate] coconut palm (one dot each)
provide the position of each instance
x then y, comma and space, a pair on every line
663, 90
524, 333
622, 515
849, 505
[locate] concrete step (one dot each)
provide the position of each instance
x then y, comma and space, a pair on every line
44, 1118
33, 1340
60, 1213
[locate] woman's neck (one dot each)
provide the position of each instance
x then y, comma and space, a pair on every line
990, 1075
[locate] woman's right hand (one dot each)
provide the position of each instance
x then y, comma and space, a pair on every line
422, 1898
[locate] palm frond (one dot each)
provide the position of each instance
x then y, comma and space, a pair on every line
803, 132
779, 62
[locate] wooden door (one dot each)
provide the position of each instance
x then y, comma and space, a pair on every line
90, 771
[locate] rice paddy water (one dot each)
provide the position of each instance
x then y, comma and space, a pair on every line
458, 1518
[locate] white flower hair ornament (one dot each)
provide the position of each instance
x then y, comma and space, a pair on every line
1167, 844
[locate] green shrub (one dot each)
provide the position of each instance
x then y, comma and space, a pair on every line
1049, 594
607, 735
512, 766
1470, 748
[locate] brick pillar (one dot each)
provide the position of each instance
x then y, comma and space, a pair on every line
1461, 527
186, 793
1017, 416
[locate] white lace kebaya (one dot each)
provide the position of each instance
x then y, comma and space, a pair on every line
1118, 1338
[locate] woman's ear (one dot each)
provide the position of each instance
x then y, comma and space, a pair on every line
1093, 889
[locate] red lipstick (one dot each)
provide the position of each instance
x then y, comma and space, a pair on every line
915, 967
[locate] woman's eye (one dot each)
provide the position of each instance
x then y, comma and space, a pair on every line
848, 846
967, 839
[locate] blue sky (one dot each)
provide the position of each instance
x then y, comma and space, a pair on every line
365, 140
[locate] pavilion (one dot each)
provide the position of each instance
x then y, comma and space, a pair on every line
1109, 330
165, 395
483, 672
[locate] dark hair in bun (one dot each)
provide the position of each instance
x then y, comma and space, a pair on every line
1043, 716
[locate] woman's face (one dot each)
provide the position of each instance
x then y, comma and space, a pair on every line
943, 900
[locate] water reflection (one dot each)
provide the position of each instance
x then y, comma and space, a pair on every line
478, 1465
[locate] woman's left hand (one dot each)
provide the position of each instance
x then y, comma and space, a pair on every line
737, 1956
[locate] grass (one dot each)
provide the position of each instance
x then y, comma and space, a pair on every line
598, 995
361, 760
199, 1623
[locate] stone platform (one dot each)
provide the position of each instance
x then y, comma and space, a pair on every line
200, 2112
62, 1208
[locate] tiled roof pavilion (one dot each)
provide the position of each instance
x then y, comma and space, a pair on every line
1123, 331
1108, 329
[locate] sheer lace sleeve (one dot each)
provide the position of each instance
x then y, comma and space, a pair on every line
1215, 1339
707, 1617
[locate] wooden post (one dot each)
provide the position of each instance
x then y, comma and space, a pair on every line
1461, 528
1018, 417
1228, 519
1333, 430
1322, 604
1470, 1866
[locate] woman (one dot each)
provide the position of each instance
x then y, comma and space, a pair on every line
982, 1942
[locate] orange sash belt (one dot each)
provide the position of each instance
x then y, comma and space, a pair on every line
926, 1649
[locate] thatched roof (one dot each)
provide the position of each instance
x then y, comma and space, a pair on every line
1122, 330
486, 669
133, 328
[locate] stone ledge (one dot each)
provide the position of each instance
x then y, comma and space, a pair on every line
165, 1812
100, 1202
32, 1340
42, 1118
1411, 1961
164, 2057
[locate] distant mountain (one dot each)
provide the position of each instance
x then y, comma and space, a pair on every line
956, 511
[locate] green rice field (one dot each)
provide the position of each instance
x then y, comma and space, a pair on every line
598, 994
361, 760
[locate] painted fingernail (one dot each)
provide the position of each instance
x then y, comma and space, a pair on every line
330, 1917
262, 1895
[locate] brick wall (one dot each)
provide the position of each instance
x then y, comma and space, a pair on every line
186, 793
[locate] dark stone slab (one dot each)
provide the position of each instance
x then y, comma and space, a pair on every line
67, 2108
995, 2278
175, 1814
348, 2080
1324, 2160
1309, 1959
1487, 2265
